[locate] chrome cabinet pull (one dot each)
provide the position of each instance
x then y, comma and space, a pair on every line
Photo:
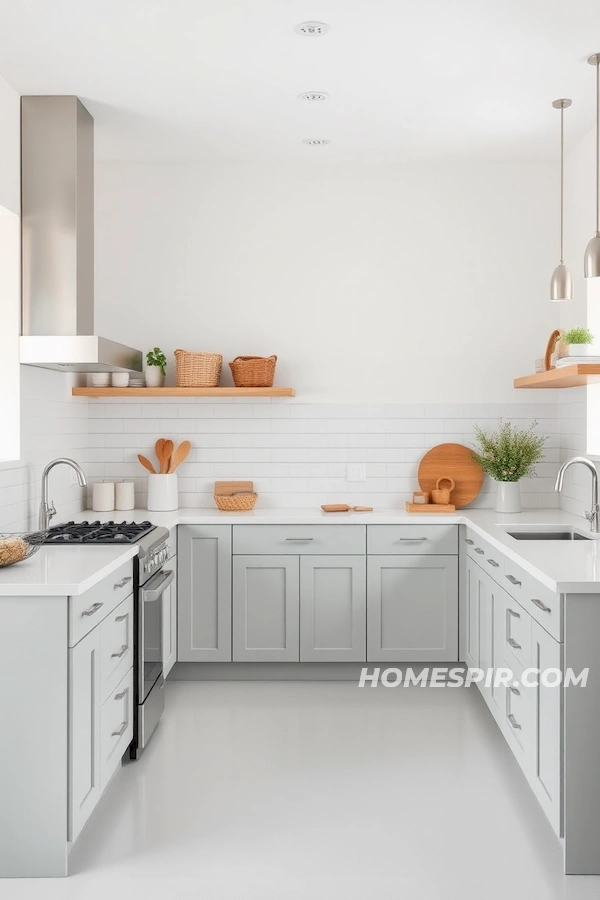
480, 551
511, 612
515, 690
121, 694
120, 652
414, 539
121, 730
513, 580
540, 605
122, 583
513, 721
493, 563
514, 644
469, 541
299, 539
121, 618
92, 609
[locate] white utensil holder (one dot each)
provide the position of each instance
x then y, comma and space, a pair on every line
162, 492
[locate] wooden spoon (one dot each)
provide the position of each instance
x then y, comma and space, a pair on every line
165, 457
158, 448
146, 463
180, 455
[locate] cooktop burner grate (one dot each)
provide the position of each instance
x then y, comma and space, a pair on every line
99, 532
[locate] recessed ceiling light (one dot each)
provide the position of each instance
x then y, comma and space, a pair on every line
313, 96
310, 29
316, 142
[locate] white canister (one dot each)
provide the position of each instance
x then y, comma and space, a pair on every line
162, 492
103, 496
124, 495
120, 379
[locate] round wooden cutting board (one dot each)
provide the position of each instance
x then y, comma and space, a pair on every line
457, 462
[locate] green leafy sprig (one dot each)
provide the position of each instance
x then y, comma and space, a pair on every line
509, 453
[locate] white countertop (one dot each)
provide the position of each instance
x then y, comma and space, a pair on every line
563, 566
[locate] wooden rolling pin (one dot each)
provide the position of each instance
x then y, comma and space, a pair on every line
343, 507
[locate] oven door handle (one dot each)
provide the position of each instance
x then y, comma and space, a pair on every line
157, 585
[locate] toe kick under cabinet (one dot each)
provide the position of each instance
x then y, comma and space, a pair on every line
318, 593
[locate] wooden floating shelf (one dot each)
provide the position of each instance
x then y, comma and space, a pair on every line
563, 377
184, 392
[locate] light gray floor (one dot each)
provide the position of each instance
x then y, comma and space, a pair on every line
318, 791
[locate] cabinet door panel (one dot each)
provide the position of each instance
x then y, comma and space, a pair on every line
266, 608
412, 608
472, 615
333, 614
84, 730
204, 593
547, 735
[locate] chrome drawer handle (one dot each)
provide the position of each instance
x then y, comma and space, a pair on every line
121, 618
120, 652
480, 551
121, 694
513, 580
299, 539
122, 583
414, 539
515, 690
514, 644
493, 563
540, 605
469, 541
513, 721
511, 612
92, 609
123, 727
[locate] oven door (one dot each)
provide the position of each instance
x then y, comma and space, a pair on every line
150, 631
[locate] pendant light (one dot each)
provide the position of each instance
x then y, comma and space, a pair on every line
591, 261
561, 283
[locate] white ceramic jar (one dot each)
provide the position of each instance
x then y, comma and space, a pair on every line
162, 492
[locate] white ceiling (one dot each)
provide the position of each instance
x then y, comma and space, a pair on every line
218, 79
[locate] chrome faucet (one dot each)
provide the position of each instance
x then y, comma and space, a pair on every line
47, 509
594, 514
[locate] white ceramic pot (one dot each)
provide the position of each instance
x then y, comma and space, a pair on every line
100, 379
162, 492
581, 350
120, 379
508, 497
154, 377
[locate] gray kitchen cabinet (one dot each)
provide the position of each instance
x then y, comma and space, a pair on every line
412, 608
333, 608
473, 590
547, 653
266, 608
84, 731
204, 593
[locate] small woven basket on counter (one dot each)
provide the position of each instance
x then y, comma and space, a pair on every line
253, 371
236, 502
198, 369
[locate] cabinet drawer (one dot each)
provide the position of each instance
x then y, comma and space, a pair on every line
88, 610
516, 634
518, 725
412, 540
298, 539
491, 560
543, 604
116, 646
116, 727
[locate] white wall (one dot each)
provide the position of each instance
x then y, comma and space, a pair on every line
415, 283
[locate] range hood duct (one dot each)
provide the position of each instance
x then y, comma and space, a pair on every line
57, 234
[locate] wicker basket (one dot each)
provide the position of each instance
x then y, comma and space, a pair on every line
198, 369
253, 371
236, 502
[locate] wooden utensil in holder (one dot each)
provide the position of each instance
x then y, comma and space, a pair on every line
441, 495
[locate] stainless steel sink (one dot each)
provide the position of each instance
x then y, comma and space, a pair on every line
548, 536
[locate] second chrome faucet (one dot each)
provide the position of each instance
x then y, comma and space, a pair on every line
594, 514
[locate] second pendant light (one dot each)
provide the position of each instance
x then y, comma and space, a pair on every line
561, 283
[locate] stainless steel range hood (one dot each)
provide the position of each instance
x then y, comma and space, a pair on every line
57, 216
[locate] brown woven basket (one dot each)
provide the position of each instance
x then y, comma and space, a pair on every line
253, 371
198, 369
235, 502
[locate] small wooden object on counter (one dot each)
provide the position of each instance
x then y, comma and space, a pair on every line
224, 488
454, 461
550, 348
253, 371
420, 497
430, 507
441, 495
180, 455
343, 507
146, 463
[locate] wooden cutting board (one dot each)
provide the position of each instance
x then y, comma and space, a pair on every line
456, 461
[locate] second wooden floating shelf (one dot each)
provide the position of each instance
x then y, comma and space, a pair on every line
183, 392
563, 377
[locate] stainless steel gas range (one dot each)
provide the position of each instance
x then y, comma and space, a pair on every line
151, 580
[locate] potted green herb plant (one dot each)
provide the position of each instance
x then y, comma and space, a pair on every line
577, 342
507, 455
156, 365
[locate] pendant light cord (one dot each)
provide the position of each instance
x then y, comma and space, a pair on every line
562, 181
598, 148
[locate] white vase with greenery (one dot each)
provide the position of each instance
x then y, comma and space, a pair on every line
507, 455
155, 371
577, 342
